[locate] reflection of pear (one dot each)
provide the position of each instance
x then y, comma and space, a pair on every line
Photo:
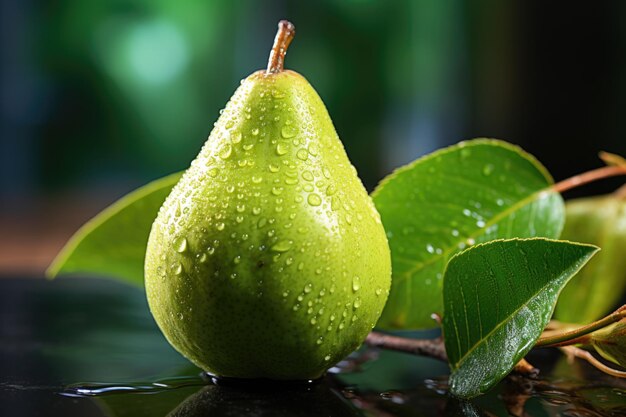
597, 288
315, 401
268, 259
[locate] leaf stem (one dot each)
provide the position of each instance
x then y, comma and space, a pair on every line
573, 351
589, 176
575, 336
284, 36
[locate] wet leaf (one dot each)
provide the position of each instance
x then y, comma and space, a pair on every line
472, 192
113, 243
598, 287
610, 342
498, 297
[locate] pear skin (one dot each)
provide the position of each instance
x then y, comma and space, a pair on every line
268, 258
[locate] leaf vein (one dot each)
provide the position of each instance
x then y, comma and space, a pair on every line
501, 323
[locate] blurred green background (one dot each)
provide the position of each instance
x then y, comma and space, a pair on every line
99, 97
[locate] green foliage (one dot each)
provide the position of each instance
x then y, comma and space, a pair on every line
595, 291
472, 192
114, 242
498, 297
610, 342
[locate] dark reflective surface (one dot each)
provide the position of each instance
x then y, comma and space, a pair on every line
88, 347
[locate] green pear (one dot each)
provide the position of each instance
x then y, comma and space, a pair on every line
596, 290
268, 258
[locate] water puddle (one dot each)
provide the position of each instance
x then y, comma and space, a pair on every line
90, 330
100, 389
347, 391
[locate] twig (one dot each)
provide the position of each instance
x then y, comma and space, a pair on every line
576, 336
589, 176
612, 159
575, 352
432, 348
525, 368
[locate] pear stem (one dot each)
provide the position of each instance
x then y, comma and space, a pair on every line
284, 36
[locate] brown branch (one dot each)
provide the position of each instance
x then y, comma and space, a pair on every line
612, 159
577, 335
574, 352
589, 176
432, 348
525, 368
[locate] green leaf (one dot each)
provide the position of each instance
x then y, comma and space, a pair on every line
610, 342
597, 289
472, 192
114, 242
498, 297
